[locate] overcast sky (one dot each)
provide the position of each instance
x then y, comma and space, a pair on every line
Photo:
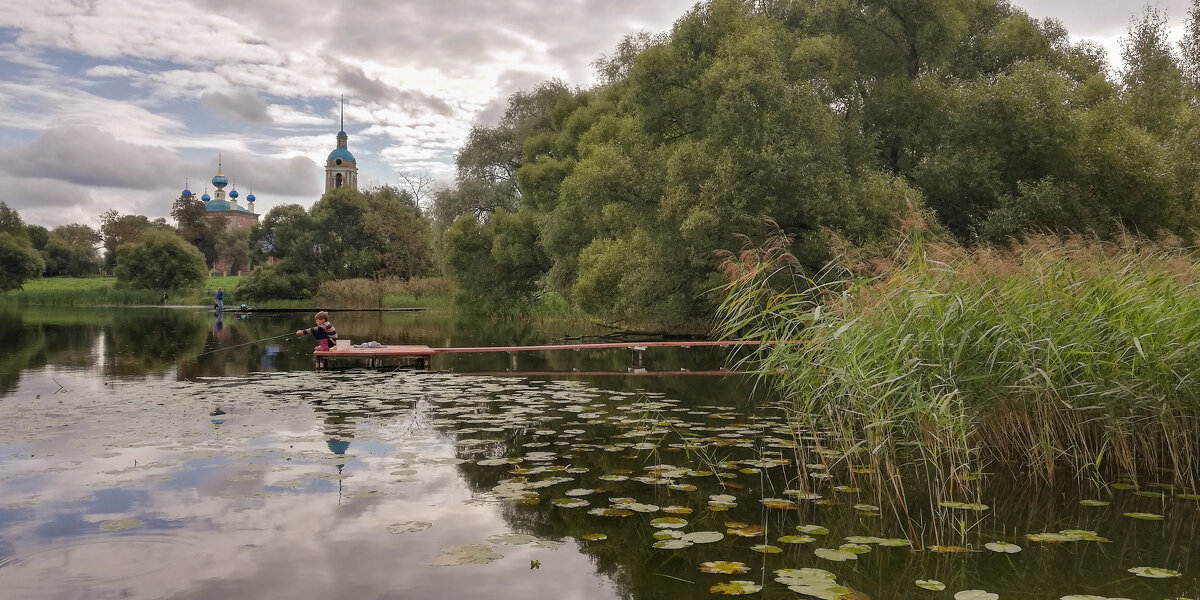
116, 103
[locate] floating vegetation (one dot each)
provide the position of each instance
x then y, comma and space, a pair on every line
703, 537
963, 505
838, 555
812, 529
594, 537
668, 523
672, 544
463, 555
1066, 535
1094, 503
512, 539
975, 595
724, 567
120, 524
796, 539
1002, 547
735, 588
1144, 516
1154, 572
408, 527
766, 549
931, 585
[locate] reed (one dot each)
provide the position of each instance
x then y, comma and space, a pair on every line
385, 292
1055, 355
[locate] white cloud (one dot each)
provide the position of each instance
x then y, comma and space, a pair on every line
116, 71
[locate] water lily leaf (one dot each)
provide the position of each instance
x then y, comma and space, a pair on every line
1144, 516
1083, 597
975, 595
512, 539
594, 537
703, 537
796, 539
570, 502
747, 531
1123, 486
870, 508
677, 510
947, 549
672, 544
581, 492
812, 529
835, 555
802, 495
1148, 494
822, 590
668, 523
725, 567
779, 504
613, 478
1188, 496
894, 543
120, 524
668, 534
610, 512
682, 487
408, 527
931, 584
766, 549
1154, 572
855, 548
1002, 547
462, 555
735, 588
639, 507
963, 505
1093, 502
845, 489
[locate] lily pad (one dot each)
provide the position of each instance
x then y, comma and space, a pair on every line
975, 595
703, 537
735, 588
408, 527
724, 567
672, 544
610, 512
463, 555
947, 549
835, 555
1144, 516
932, 585
779, 504
748, 531
812, 529
120, 524
1093, 502
964, 505
570, 502
677, 510
512, 539
1002, 547
1155, 572
594, 537
668, 523
766, 549
796, 539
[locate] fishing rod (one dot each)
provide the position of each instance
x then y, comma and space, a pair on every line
245, 344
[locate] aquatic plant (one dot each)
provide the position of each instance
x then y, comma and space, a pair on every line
1058, 354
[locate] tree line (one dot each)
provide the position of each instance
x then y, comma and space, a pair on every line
380, 232
837, 119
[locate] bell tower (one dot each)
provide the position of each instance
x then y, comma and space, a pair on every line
341, 170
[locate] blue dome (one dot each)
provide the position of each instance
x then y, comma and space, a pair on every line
342, 153
233, 194
187, 193
250, 198
206, 197
217, 205
220, 181
342, 133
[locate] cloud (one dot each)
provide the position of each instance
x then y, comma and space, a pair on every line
90, 157
242, 105
105, 71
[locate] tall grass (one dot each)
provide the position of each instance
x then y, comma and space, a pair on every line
387, 292
103, 291
1053, 356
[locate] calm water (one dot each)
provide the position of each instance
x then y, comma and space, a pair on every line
134, 466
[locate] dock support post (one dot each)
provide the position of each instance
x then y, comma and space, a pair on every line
512, 361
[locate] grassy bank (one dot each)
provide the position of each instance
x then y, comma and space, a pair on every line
100, 291
1053, 356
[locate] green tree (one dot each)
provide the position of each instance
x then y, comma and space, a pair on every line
19, 262
118, 229
160, 260
194, 226
1151, 76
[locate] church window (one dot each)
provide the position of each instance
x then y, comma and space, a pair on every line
337, 180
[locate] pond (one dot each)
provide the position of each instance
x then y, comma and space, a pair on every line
137, 462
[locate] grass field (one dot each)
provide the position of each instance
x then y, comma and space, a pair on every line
96, 291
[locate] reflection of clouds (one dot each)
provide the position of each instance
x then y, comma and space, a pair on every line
211, 531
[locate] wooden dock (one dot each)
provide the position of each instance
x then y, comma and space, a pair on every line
421, 356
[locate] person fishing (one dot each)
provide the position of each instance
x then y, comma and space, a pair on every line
324, 332
220, 299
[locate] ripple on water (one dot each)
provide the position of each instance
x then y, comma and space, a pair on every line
97, 561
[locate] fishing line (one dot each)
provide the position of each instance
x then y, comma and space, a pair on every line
245, 344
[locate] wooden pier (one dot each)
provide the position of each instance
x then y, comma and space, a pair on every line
421, 356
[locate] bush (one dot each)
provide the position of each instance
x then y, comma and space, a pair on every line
161, 260
273, 282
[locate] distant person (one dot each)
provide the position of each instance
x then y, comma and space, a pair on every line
324, 332
163, 300
220, 299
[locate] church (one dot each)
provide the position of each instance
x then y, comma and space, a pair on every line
341, 170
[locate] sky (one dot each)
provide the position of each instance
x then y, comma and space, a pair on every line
118, 104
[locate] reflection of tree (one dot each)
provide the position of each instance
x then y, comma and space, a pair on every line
23, 345
140, 341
